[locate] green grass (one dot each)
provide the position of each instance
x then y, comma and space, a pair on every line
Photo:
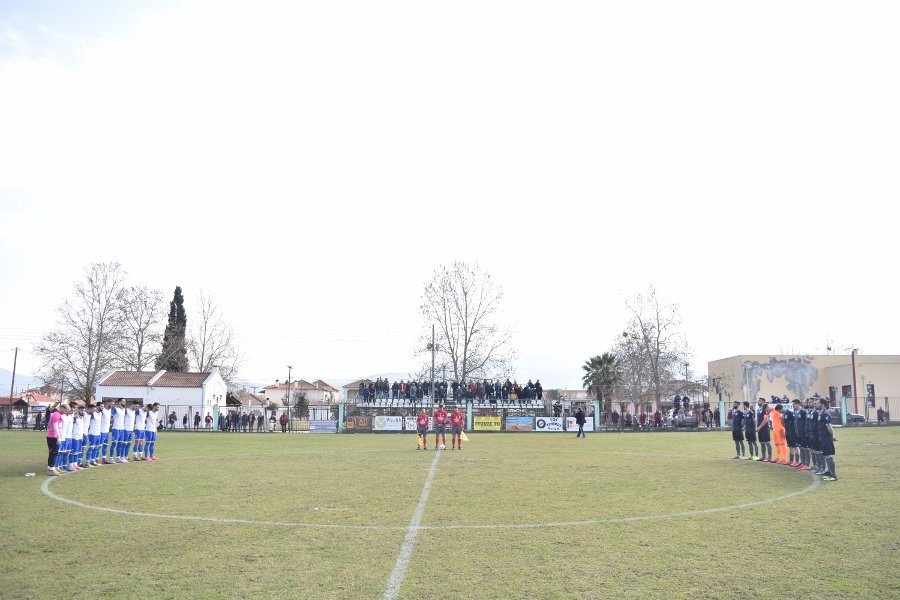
839, 540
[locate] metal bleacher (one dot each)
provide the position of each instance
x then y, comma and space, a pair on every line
478, 404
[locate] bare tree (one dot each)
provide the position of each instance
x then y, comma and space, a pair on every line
83, 346
141, 326
634, 364
211, 341
462, 302
656, 344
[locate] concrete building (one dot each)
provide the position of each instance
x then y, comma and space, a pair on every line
319, 396
748, 377
195, 392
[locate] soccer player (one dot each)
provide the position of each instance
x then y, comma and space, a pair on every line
790, 428
456, 424
76, 435
779, 434
826, 440
105, 422
118, 431
440, 426
140, 417
812, 424
150, 430
422, 430
807, 436
737, 430
762, 430
84, 415
93, 434
62, 463
128, 431
54, 433
750, 431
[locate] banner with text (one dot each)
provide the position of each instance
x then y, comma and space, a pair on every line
383, 423
571, 425
519, 423
487, 424
323, 426
548, 424
359, 424
410, 424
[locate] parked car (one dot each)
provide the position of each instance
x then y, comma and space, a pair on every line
683, 420
851, 417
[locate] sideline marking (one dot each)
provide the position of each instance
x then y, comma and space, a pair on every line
45, 488
399, 572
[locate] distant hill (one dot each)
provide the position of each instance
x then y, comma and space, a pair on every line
23, 382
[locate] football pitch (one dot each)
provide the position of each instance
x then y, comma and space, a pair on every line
650, 515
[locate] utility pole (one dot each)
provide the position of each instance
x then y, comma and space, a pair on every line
12, 384
855, 401
290, 414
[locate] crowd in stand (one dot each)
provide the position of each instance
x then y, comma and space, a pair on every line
476, 390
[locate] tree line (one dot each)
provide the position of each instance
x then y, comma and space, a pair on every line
642, 363
106, 324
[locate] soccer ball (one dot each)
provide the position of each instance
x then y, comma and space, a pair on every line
442, 447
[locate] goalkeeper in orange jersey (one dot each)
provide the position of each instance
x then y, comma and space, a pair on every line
779, 434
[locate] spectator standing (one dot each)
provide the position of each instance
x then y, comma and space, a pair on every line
37, 421
615, 418
657, 418
196, 421
642, 419
283, 420
172, 418
259, 423
208, 418
9, 418
184, 422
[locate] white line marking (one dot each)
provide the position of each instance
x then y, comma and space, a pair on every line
45, 488
399, 572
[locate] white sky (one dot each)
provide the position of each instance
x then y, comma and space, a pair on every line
311, 163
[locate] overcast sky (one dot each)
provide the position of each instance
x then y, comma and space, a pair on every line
310, 164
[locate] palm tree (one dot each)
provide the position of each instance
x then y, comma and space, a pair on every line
601, 373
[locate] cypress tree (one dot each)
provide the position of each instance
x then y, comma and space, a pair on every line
173, 356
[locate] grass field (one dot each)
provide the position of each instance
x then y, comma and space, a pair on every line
661, 515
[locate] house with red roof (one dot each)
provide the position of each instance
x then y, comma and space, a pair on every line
202, 392
319, 396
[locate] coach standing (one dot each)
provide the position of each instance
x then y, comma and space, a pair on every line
580, 419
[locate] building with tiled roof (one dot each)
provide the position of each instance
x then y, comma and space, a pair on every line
319, 395
202, 392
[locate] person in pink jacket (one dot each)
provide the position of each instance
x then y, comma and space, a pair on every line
54, 433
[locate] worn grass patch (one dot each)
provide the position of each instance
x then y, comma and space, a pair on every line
840, 540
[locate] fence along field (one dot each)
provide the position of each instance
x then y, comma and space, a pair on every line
527, 515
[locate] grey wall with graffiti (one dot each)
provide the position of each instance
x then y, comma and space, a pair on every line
798, 372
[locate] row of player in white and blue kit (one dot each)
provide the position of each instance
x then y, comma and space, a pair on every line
104, 434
